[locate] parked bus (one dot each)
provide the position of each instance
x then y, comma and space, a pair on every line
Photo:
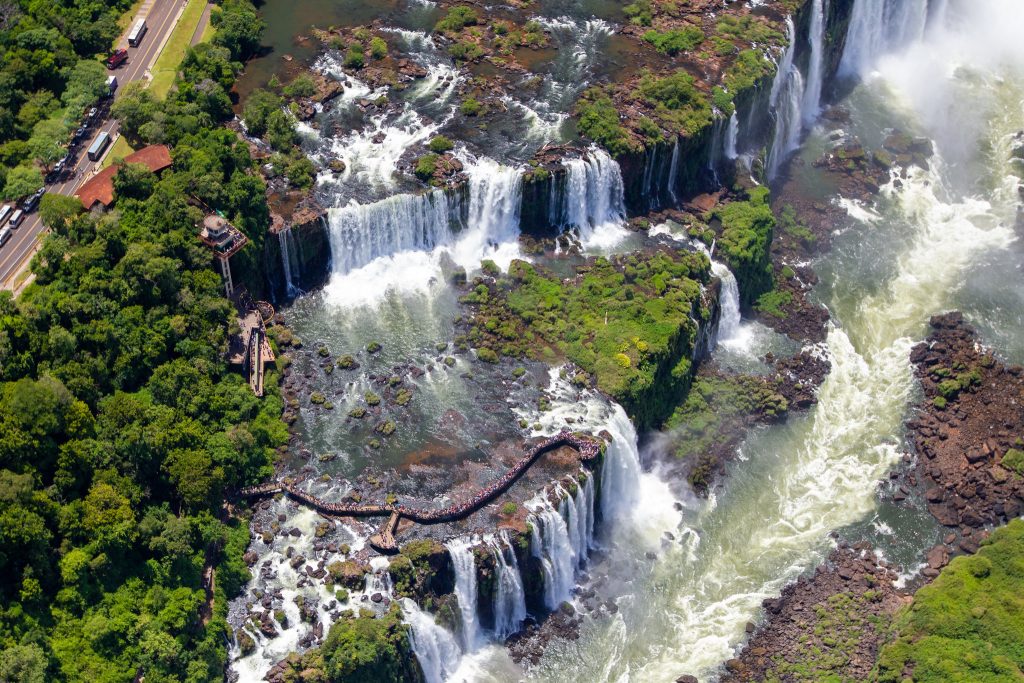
98, 146
5, 234
139, 30
5, 213
16, 218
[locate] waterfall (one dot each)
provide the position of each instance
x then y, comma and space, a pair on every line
620, 474
287, 241
495, 194
731, 137
509, 597
594, 192
436, 648
811, 106
878, 27
673, 171
551, 544
786, 101
465, 590
360, 233
729, 303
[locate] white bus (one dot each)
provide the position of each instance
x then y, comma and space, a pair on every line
5, 234
98, 146
139, 30
5, 213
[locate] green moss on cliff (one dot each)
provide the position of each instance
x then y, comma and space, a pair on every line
745, 240
598, 120
628, 322
968, 625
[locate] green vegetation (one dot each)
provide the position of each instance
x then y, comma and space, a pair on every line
355, 57
675, 41
791, 224
1013, 460
465, 51
967, 625
439, 144
426, 166
745, 239
747, 69
747, 29
598, 119
823, 655
165, 69
301, 86
121, 426
50, 78
457, 19
678, 104
470, 107
378, 48
628, 322
715, 409
265, 116
773, 302
640, 12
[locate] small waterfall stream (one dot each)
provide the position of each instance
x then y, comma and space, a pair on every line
877, 27
509, 597
289, 258
435, 647
812, 94
593, 195
729, 302
786, 103
464, 561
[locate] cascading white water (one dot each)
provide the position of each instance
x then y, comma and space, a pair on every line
360, 233
878, 27
732, 136
620, 475
594, 192
464, 561
811, 106
786, 103
673, 171
435, 647
551, 544
509, 596
286, 241
728, 302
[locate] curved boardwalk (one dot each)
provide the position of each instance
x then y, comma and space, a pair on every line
589, 449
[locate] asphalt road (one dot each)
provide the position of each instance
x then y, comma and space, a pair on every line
160, 19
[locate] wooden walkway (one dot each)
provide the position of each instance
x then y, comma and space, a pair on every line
589, 449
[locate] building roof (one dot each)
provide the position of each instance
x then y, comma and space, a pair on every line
100, 188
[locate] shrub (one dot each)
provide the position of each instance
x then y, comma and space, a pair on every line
302, 86
426, 166
470, 107
598, 119
640, 12
675, 41
677, 101
486, 355
457, 19
509, 508
354, 58
378, 48
465, 51
439, 144
1014, 460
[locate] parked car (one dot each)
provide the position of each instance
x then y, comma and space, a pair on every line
117, 58
80, 134
30, 204
91, 114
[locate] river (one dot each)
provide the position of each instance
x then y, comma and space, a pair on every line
938, 239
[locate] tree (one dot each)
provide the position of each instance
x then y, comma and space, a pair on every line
258, 108
135, 181
87, 82
134, 107
239, 28
23, 664
56, 210
22, 181
47, 141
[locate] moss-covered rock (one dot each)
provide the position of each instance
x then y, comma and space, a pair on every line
422, 570
348, 573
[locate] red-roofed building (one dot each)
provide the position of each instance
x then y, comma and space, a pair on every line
100, 188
